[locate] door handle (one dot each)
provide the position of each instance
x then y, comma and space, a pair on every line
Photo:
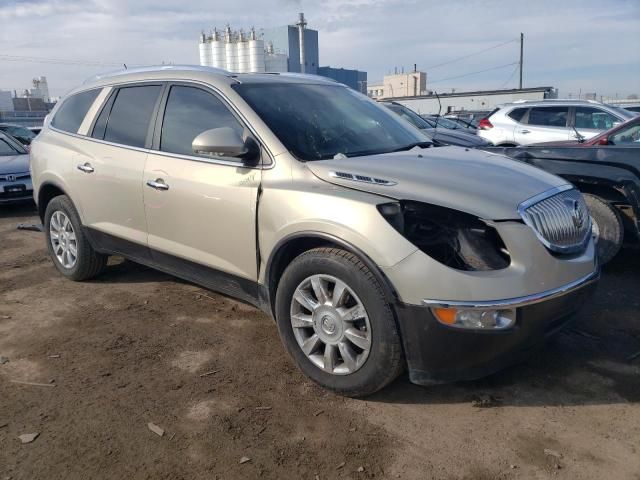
86, 167
524, 131
158, 184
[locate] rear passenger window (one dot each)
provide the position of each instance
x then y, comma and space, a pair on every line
189, 112
73, 110
548, 116
518, 113
128, 122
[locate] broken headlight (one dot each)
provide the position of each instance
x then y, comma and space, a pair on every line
456, 239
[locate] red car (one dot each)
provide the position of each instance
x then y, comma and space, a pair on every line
626, 134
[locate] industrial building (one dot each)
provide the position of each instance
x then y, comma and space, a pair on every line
398, 85
289, 48
27, 108
472, 101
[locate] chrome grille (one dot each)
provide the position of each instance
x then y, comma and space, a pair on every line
559, 218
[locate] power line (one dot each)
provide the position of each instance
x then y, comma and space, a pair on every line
60, 61
474, 73
471, 54
511, 76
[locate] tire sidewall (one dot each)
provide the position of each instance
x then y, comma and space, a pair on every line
609, 224
381, 319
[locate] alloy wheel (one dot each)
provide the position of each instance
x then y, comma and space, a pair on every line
330, 324
63, 239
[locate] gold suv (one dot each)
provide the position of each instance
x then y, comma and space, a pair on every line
373, 250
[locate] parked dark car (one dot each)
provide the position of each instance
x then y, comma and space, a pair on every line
20, 133
439, 136
450, 123
15, 178
606, 169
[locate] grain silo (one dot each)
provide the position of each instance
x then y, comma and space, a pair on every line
230, 50
218, 57
256, 53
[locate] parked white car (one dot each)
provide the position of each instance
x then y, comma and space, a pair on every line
527, 122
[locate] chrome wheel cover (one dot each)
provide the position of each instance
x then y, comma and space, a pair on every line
63, 239
330, 324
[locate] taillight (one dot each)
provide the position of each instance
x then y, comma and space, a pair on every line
484, 124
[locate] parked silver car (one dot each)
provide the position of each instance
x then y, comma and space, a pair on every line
15, 179
371, 249
523, 123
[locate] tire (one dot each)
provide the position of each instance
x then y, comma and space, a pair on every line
607, 225
376, 367
88, 263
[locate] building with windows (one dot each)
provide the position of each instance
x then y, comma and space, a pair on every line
399, 85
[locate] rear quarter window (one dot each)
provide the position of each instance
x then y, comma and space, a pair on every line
517, 114
73, 110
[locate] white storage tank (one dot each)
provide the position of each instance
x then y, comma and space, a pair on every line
256, 54
243, 54
218, 57
230, 51
276, 62
205, 49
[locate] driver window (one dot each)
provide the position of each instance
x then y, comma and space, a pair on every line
189, 112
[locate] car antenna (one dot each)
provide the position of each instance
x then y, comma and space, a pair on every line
578, 135
439, 109
125, 66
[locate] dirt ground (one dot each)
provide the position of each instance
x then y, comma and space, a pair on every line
137, 346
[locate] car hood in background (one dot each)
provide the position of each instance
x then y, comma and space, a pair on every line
484, 184
14, 164
459, 138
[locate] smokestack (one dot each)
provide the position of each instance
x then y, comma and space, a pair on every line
302, 23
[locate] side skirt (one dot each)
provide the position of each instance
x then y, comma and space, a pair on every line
231, 285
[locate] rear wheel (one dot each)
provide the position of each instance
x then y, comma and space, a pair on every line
607, 227
336, 323
68, 246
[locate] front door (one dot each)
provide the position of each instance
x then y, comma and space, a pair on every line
543, 124
201, 211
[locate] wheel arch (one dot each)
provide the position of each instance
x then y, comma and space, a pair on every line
289, 247
47, 192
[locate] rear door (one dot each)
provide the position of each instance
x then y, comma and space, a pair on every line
108, 167
543, 124
590, 121
201, 210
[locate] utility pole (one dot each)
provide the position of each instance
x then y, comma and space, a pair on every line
521, 56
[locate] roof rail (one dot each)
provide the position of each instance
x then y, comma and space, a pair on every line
158, 68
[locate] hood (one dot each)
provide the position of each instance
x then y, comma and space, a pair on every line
457, 137
487, 185
14, 164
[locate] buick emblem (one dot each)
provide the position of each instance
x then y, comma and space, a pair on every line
11, 178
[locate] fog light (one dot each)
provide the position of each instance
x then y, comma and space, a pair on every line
476, 318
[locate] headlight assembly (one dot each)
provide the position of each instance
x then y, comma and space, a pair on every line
456, 239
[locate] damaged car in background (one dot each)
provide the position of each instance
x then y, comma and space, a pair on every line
606, 169
373, 251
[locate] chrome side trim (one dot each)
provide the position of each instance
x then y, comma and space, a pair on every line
518, 301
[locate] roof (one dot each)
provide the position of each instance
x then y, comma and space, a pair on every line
196, 72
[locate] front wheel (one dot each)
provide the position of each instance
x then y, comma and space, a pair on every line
335, 322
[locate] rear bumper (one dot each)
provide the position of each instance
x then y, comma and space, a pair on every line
438, 353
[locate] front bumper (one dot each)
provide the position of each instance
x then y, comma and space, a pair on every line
20, 190
438, 353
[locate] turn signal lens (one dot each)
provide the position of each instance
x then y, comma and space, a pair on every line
474, 318
445, 315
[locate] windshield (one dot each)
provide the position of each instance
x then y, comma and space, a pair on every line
19, 131
446, 123
317, 122
408, 114
9, 147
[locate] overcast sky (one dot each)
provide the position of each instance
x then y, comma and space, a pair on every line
587, 45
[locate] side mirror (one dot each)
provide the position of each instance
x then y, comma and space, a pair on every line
225, 142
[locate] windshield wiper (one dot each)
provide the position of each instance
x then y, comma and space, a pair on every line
423, 144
